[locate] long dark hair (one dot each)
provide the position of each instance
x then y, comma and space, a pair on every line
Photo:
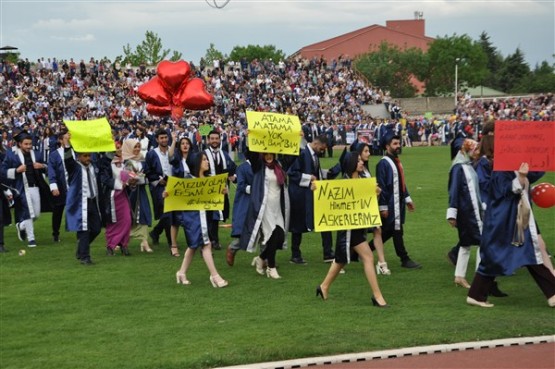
197, 164
360, 149
350, 164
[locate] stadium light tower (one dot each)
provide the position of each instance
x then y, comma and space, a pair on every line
456, 79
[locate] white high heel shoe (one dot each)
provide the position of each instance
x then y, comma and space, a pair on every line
258, 263
381, 268
484, 304
272, 273
218, 282
181, 278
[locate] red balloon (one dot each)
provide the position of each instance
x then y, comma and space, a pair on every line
172, 74
159, 111
177, 113
543, 195
153, 92
193, 95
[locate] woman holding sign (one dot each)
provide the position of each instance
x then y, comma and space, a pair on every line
363, 149
268, 212
195, 224
353, 240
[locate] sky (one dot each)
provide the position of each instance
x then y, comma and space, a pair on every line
81, 29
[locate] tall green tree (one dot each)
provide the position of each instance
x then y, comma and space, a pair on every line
542, 79
447, 54
213, 54
251, 52
149, 51
514, 72
494, 61
392, 69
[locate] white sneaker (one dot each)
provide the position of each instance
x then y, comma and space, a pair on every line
272, 273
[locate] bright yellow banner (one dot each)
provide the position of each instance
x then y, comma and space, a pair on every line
91, 135
346, 204
274, 133
195, 193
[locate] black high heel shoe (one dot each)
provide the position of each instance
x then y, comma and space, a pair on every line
376, 304
320, 293
125, 251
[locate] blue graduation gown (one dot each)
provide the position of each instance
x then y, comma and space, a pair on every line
392, 198
483, 169
242, 195
252, 227
76, 201
465, 204
499, 256
300, 194
57, 175
23, 205
154, 173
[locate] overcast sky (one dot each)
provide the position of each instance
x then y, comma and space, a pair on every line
82, 29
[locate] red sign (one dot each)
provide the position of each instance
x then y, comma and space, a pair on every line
517, 142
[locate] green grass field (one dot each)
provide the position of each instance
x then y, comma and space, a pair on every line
128, 312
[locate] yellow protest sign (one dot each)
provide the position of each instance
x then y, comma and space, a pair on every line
91, 135
274, 133
346, 204
195, 193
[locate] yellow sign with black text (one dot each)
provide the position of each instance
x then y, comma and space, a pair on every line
274, 133
346, 204
91, 135
195, 193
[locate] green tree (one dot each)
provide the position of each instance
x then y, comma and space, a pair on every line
494, 63
447, 52
514, 72
542, 79
213, 54
391, 68
149, 51
251, 52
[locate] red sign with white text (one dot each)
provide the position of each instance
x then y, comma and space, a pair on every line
517, 142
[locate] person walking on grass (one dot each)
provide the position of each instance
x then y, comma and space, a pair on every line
352, 240
394, 198
195, 225
268, 213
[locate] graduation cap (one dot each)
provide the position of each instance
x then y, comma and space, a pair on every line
387, 134
20, 135
457, 143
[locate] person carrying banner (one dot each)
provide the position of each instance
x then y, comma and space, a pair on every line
352, 240
268, 213
82, 207
510, 237
305, 170
195, 225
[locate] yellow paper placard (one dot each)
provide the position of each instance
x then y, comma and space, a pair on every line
195, 193
346, 204
91, 135
274, 133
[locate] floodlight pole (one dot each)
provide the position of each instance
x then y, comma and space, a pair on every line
456, 79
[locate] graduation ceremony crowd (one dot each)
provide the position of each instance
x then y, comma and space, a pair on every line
40, 172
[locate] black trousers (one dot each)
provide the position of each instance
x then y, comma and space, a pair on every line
57, 215
398, 242
214, 231
164, 225
541, 275
327, 245
275, 241
85, 238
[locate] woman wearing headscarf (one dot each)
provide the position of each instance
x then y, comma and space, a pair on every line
267, 220
134, 163
117, 212
465, 210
